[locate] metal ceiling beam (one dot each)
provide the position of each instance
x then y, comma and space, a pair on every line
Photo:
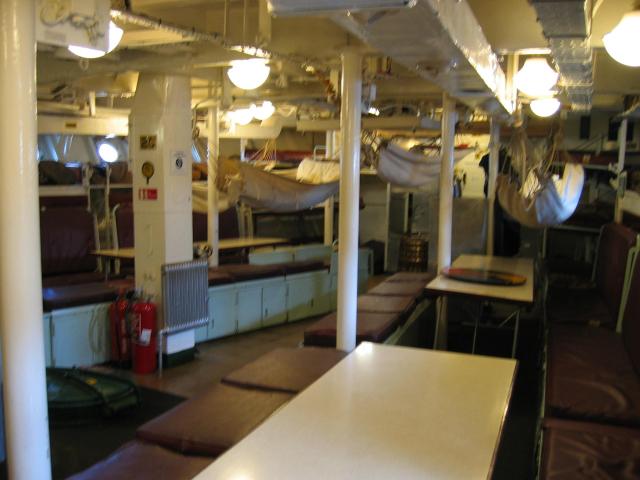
442, 42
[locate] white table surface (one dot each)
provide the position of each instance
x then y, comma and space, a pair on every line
383, 412
517, 294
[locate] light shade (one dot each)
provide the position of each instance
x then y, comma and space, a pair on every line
107, 152
242, 116
623, 42
115, 35
264, 111
536, 77
248, 74
545, 107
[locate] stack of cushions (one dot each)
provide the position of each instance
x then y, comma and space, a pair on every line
183, 441
380, 311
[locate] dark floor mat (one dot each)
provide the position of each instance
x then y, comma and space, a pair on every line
75, 448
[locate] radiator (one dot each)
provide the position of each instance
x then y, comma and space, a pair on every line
185, 294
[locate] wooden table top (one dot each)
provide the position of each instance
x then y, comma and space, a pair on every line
225, 244
383, 412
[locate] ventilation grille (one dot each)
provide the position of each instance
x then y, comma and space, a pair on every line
185, 289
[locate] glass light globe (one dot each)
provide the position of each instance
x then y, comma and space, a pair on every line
248, 74
242, 116
107, 152
622, 42
264, 111
536, 77
545, 107
115, 35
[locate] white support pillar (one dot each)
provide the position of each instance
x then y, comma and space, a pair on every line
350, 120
213, 152
160, 143
21, 329
329, 202
494, 159
622, 179
445, 214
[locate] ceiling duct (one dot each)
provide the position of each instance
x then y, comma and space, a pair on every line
567, 26
442, 42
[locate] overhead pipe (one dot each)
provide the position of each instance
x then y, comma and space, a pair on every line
21, 328
213, 153
351, 110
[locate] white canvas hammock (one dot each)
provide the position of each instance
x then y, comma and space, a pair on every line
544, 199
200, 198
317, 172
411, 170
260, 189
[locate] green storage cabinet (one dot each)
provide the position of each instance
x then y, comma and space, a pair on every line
222, 311
274, 302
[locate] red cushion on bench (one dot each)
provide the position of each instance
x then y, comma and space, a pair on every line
370, 327
72, 279
411, 277
213, 421
414, 289
55, 298
576, 450
385, 304
291, 268
143, 461
590, 376
286, 369
578, 307
242, 272
218, 277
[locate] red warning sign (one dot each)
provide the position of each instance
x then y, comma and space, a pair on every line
148, 194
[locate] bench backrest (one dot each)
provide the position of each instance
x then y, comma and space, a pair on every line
611, 267
67, 237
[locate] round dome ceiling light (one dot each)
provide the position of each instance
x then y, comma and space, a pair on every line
249, 74
115, 35
536, 77
264, 111
107, 152
544, 107
621, 43
242, 116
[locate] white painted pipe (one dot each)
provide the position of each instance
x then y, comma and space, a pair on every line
21, 327
446, 181
213, 144
349, 200
329, 202
622, 151
445, 214
494, 159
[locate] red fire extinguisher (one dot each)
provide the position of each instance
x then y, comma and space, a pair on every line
119, 328
144, 334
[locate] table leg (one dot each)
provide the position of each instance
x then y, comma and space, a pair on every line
475, 334
515, 335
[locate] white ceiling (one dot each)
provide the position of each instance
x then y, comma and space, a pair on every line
509, 25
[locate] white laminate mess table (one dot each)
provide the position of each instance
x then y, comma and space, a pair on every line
520, 295
384, 412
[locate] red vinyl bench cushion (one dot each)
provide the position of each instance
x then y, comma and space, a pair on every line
370, 327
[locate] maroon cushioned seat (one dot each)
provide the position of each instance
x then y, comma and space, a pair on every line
370, 327
72, 279
143, 461
601, 304
411, 277
217, 277
577, 450
590, 376
55, 298
66, 241
291, 268
213, 421
243, 272
399, 304
414, 289
286, 369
